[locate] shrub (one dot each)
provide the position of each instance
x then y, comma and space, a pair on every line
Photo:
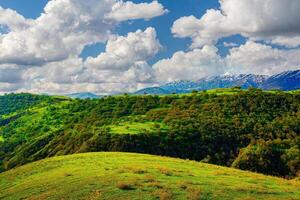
125, 186
163, 194
166, 171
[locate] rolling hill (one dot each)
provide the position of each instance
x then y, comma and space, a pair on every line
124, 176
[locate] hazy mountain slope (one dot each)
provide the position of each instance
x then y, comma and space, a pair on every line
289, 80
153, 90
83, 95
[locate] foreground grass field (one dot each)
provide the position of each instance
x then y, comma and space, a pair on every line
135, 176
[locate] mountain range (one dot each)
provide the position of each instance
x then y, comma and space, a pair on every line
83, 95
289, 80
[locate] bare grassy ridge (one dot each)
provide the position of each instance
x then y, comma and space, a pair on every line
136, 176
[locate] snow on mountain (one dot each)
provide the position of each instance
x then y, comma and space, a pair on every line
289, 80
285, 81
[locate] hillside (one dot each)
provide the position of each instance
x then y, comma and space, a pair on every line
135, 176
246, 129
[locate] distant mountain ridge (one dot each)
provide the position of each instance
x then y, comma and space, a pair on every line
289, 80
83, 95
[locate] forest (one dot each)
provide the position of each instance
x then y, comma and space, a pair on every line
250, 129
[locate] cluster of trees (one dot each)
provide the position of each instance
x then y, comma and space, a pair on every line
10, 103
251, 130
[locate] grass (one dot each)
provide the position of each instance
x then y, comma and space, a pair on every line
136, 176
136, 127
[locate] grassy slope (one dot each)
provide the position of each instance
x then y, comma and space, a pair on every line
135, 176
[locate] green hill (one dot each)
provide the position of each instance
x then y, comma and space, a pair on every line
247, 129
136, 176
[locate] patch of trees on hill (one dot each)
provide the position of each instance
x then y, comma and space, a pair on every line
251, 130
10, 103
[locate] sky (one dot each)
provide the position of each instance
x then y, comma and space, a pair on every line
115, 46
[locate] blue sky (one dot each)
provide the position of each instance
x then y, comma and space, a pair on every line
121, 46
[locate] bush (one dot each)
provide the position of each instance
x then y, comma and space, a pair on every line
125, 186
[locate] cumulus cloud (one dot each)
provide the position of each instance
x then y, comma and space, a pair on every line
44, 52
128, 10
256, 58
13, 20
124, 60
42, 55
273, 20
122, 51
123, 64
249, 58
191, 65
63, 29
62, 72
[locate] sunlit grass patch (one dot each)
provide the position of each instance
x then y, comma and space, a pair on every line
136, 127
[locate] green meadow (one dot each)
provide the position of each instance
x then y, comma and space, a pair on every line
125, 176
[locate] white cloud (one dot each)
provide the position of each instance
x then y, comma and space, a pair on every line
128, 10
42, 55
121, 52
256, 58
141, 72
191, 65
63, 72
273, 20
122, 67
62, 31
44, 52
124, 62
13, 20
250, 58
